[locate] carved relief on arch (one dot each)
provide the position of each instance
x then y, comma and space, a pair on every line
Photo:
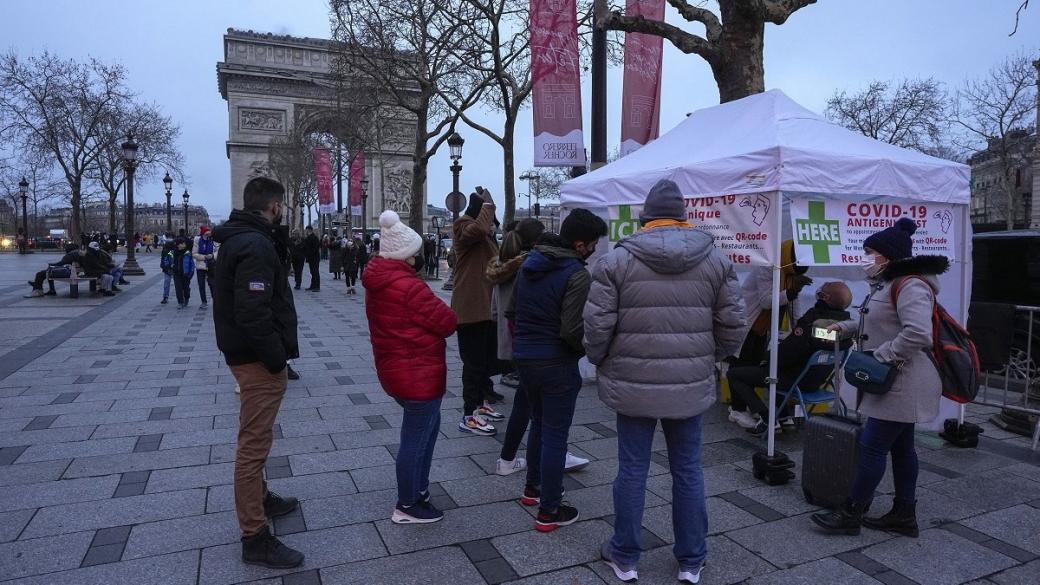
261, 120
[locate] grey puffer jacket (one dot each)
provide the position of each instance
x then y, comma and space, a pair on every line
903, 334
664, 306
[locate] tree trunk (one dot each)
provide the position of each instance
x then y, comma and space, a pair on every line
420, 160
508, 170
74, 220
112, 213
739, 72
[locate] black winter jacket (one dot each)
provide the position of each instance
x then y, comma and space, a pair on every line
253, 310
311, 247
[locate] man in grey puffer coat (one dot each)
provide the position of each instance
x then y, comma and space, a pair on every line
664, 306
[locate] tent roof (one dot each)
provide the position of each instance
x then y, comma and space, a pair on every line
767, 142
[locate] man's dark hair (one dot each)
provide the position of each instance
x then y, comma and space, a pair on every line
309, 228
260, 192
581, 225
529, 230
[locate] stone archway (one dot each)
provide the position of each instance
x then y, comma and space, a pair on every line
277, 84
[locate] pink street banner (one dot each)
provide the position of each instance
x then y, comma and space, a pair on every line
641, 97
558, 139
357, 174
323, 179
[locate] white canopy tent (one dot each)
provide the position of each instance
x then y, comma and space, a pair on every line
771, 156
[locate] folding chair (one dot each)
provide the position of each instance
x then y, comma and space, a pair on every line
820, 396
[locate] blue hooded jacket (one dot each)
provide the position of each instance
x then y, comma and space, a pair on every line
551, 289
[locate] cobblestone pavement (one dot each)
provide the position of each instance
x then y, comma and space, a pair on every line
117, 429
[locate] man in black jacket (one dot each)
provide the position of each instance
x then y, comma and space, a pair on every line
255, 321
312, 252
72, 256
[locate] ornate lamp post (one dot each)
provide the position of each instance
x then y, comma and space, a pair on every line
185, 196
130, 266
168, 182
534, 180
455, 143
438, 223
23, 190
364, 209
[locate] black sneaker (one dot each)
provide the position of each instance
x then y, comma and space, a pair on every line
421, 513
532, 496
50, 293
292, 373
564, 516
762, 427
267, 551
275, 505
495, 398
164, 301
116, 288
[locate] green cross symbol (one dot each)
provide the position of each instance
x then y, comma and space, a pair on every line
818, 232
625, 225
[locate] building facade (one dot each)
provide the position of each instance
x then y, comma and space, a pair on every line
148, 218
989, 199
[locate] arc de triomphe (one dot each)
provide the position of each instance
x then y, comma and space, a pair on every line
275, 84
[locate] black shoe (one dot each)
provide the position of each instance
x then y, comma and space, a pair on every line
845, 520
292, 373
901, 519
32, 283
563, 516
116, 289
297, 287
123, 281
275, 505
164, 301
495, 398
50, 293
107, 293
267, 551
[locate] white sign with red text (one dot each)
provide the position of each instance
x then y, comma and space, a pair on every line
830, 232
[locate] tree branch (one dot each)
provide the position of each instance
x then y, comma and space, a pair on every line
712, 25
1018, 13
778, 11
684, 41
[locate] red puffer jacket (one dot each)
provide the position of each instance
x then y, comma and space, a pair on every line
408, 325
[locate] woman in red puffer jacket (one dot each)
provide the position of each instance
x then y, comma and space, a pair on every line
408, 325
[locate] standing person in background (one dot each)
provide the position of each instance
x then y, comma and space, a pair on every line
351, 263
204, 251
183, 265
430, 255
408, 325
166, 265
551, 290
255, 320
471, 300
362, 255
335, 247
312, 252
297, 256
663, 308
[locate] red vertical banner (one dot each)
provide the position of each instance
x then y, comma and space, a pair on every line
357, 174
556, 75
323, 179
641, 97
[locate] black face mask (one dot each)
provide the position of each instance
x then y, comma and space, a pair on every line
420, 262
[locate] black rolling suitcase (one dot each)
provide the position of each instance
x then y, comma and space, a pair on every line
830, 458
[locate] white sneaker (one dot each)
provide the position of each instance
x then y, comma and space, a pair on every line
691, 576
504, 467
743, 418
574, 463
625, 574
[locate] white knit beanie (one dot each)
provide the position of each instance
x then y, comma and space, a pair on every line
397, 241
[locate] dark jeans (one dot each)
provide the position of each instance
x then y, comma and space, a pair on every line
41, 276
742, 384
689, 509
519, 418
351, 276
297, 268
182, 285
204, 279
552, 390
313, 263
879, 438
422, 420
478, 348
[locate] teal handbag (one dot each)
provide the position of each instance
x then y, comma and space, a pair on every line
867, 374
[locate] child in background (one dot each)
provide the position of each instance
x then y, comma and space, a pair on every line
183, 266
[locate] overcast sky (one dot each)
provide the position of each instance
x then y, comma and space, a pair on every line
170, 50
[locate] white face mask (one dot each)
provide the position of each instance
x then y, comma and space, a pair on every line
871, 267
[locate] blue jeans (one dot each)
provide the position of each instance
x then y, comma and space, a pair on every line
167, 278
552, 390
689, 510
117, 274
519, 418
203, 278
879, 438
422, 421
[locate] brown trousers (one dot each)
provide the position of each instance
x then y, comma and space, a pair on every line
260, 398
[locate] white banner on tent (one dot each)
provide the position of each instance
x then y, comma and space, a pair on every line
742, 225
830, 232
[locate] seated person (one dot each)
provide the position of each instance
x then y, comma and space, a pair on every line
832, 301
98, 264
72, 255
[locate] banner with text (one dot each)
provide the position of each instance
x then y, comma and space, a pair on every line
830, 232
742, 225
323, 179
556, 75
641, 95
357, 174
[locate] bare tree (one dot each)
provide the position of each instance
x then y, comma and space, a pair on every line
37, 170
912, 114
732, 43
1018, 13
408, 54
59, 107
993, 111
291, 161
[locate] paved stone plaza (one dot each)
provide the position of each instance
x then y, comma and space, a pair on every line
117, 430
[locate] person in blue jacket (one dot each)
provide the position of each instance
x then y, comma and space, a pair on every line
183, 266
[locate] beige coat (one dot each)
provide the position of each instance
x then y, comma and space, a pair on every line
474, 248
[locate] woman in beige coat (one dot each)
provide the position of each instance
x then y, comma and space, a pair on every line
897, 328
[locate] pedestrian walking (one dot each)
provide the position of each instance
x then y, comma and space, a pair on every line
255, 321
664, 306
897, 328
551, 290
471, 301
183, 266
352, 250
408, 325
166, 265
205, 254
312, 250
297, 257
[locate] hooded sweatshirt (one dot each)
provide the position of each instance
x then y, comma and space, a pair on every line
551, 290
664, 306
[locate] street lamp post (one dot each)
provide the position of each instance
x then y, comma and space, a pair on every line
455, 143
168, 182
364, 209
23, 190
534, 182
130, 266
185, 196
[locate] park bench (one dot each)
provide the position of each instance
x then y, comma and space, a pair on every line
74, 281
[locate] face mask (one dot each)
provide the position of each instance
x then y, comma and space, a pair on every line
419, 263
871, 267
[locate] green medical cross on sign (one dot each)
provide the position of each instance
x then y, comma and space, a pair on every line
625, 225
818, 232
